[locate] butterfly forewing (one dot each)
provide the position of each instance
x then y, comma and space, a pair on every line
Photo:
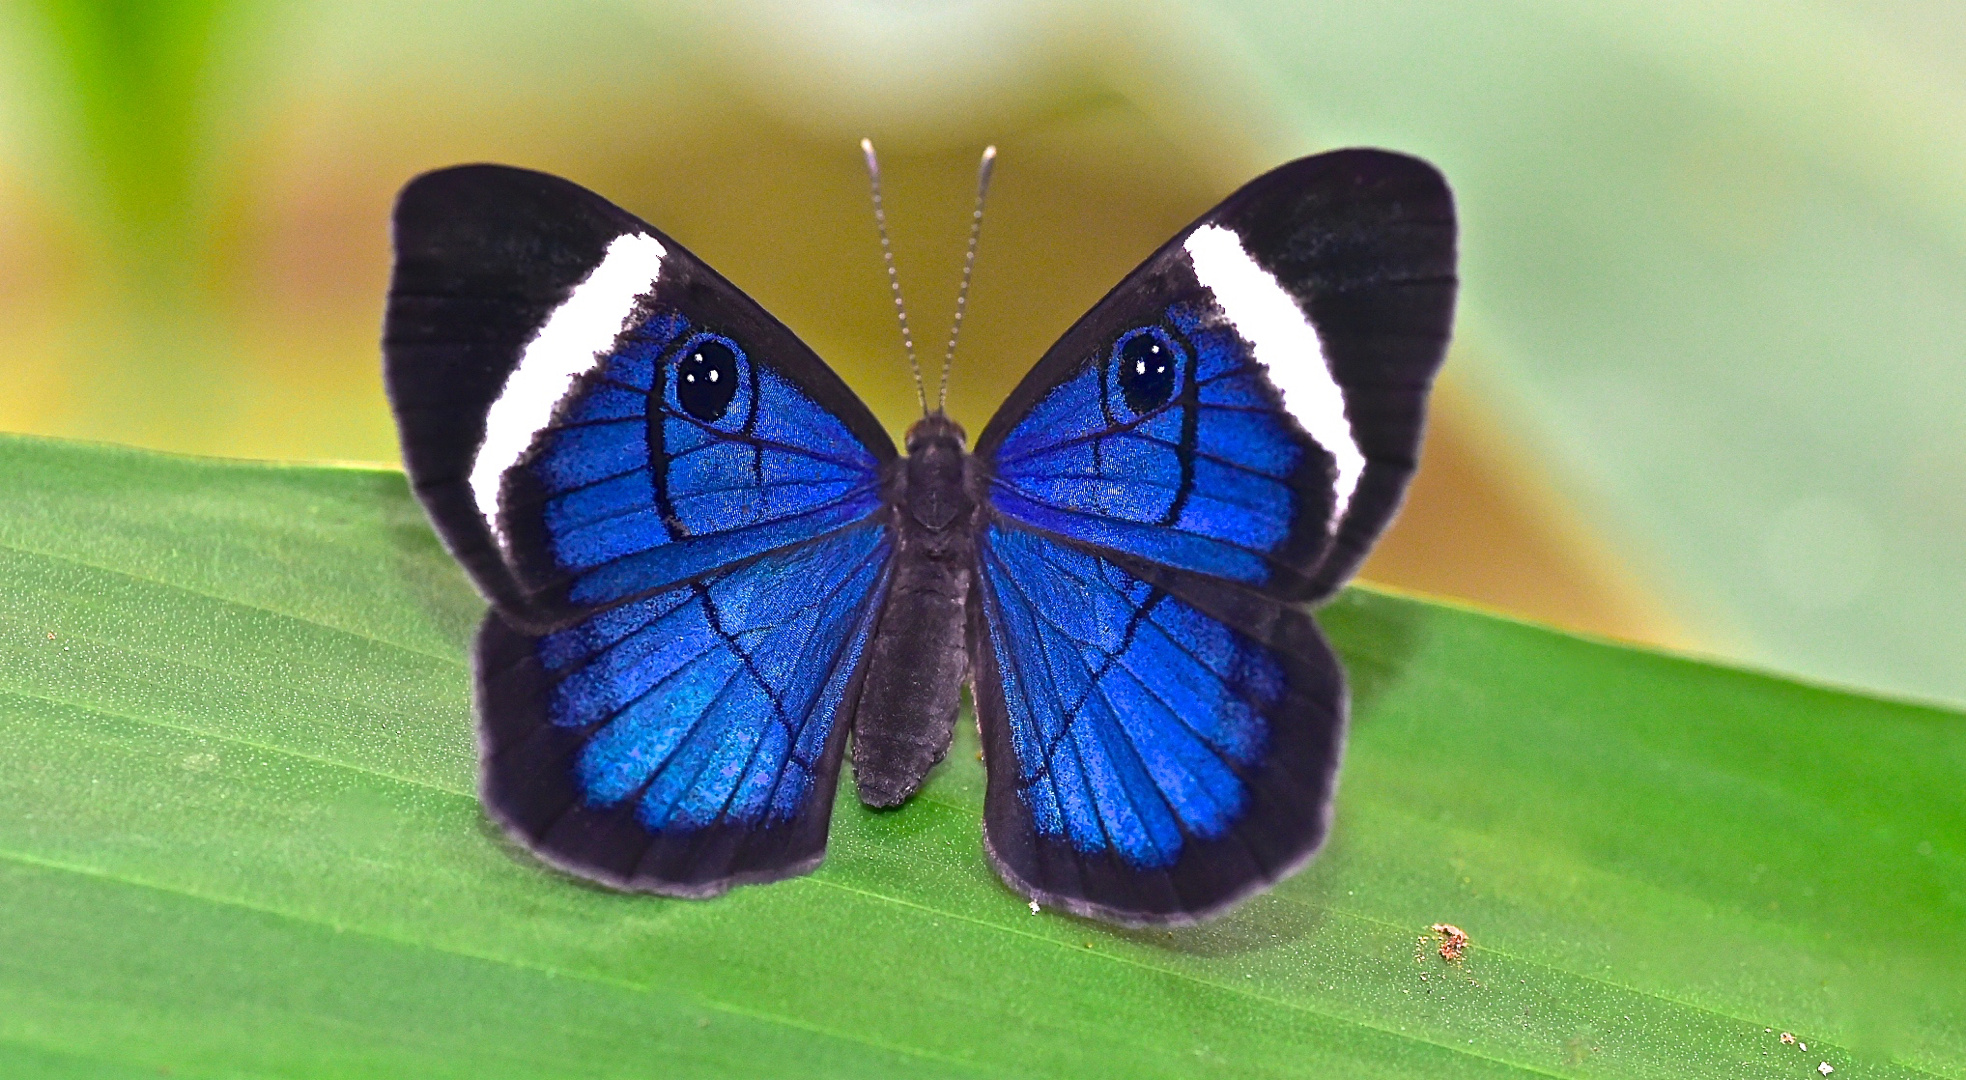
1217, 442
674, 509
1248, 403
587, 410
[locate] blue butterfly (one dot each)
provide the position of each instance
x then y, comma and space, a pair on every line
708, 565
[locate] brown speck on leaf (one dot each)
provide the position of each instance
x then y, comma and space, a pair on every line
1453, 941
1787, 1039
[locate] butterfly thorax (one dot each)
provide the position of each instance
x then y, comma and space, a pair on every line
918, 656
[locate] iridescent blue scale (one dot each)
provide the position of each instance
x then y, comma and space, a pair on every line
1204, 483
716, 698
1130, 712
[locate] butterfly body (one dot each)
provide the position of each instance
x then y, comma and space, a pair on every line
918, 658
711, 571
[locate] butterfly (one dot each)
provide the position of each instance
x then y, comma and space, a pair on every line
710, 570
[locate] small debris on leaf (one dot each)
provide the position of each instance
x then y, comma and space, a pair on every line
1453, 941
1034, 907
1787, 1039
1825, 1069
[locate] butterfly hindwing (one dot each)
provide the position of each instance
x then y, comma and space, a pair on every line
1158, 748
1247, 403
688, 740
673, 506
1215, 444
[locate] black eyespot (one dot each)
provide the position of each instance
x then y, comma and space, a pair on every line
1146, 364
706, 380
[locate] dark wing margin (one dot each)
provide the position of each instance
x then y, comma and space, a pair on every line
1305, 318
1160, 746
526, 314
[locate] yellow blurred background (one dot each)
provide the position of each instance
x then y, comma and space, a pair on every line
1662, 362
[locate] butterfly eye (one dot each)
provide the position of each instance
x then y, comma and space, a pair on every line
1147, 363
706, 379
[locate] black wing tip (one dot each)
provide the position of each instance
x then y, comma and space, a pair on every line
1331, 222
1364, 168
507, 232
524, 788
454, 185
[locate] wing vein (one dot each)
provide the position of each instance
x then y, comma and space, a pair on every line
1040, 614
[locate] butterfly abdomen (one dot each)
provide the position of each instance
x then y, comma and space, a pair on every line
918, 657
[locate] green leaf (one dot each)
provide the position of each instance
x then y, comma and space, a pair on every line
238, 837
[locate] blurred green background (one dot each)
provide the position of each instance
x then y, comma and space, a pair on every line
1707, 383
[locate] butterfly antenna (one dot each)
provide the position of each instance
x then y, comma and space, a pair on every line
893, 278
969, 265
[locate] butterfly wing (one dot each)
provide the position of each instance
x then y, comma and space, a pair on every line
1248, 403
1218, 441
1158, 748
689, 740
673, 507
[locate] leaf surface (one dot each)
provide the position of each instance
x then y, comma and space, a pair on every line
239, 837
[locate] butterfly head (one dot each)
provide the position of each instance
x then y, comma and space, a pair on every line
937, 493
936, 432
